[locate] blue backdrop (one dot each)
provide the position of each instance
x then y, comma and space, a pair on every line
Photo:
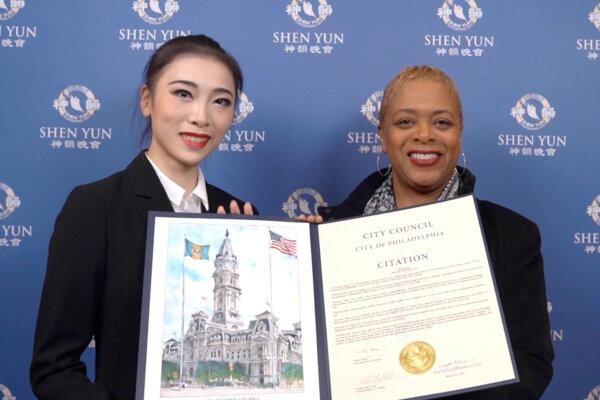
528, 73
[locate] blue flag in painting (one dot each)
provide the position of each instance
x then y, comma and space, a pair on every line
196, 251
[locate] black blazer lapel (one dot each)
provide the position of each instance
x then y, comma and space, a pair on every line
147, 187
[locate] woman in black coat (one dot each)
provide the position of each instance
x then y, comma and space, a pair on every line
93, 285
420, 130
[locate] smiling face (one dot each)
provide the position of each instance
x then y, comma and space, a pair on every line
190, 106
421, 136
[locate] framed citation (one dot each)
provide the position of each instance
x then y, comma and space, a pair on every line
400, 305
410, 305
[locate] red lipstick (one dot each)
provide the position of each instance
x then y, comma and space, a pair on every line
195, 140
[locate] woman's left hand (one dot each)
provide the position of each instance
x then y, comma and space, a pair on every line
317, 219
235, 209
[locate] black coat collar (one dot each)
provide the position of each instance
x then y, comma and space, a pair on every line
146, 185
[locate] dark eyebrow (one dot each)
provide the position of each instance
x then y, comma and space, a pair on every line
193, 84
223, 90
184, 82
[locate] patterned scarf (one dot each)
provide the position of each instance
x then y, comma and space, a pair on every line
383, 198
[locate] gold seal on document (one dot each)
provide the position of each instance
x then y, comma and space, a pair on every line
417, 357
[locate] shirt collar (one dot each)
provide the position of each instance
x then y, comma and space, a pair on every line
175, 192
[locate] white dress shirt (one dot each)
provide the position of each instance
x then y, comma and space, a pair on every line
190, 204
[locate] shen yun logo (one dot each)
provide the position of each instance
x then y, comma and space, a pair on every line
590, 241
6, 394
591, 46
9, 8
594, 394
595, 16
459, 15
533, 111
244, 108
308, 16
10, 203
593, 210
76, 103
304, 201
153, 13
372, 107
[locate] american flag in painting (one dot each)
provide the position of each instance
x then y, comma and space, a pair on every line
286, 246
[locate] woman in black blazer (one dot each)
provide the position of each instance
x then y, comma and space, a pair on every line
93, 284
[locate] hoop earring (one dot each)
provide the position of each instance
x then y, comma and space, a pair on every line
389, 168
464, 166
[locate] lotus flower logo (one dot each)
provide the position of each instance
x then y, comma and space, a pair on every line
76, 103
243, 109
309, 13
9, 201
595, 16
594, 394
304, 201
593, 210
533, 111
154, 11
459, 15
6, 394
8, 8
372, 107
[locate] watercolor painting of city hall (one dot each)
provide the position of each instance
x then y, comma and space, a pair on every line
221, 351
